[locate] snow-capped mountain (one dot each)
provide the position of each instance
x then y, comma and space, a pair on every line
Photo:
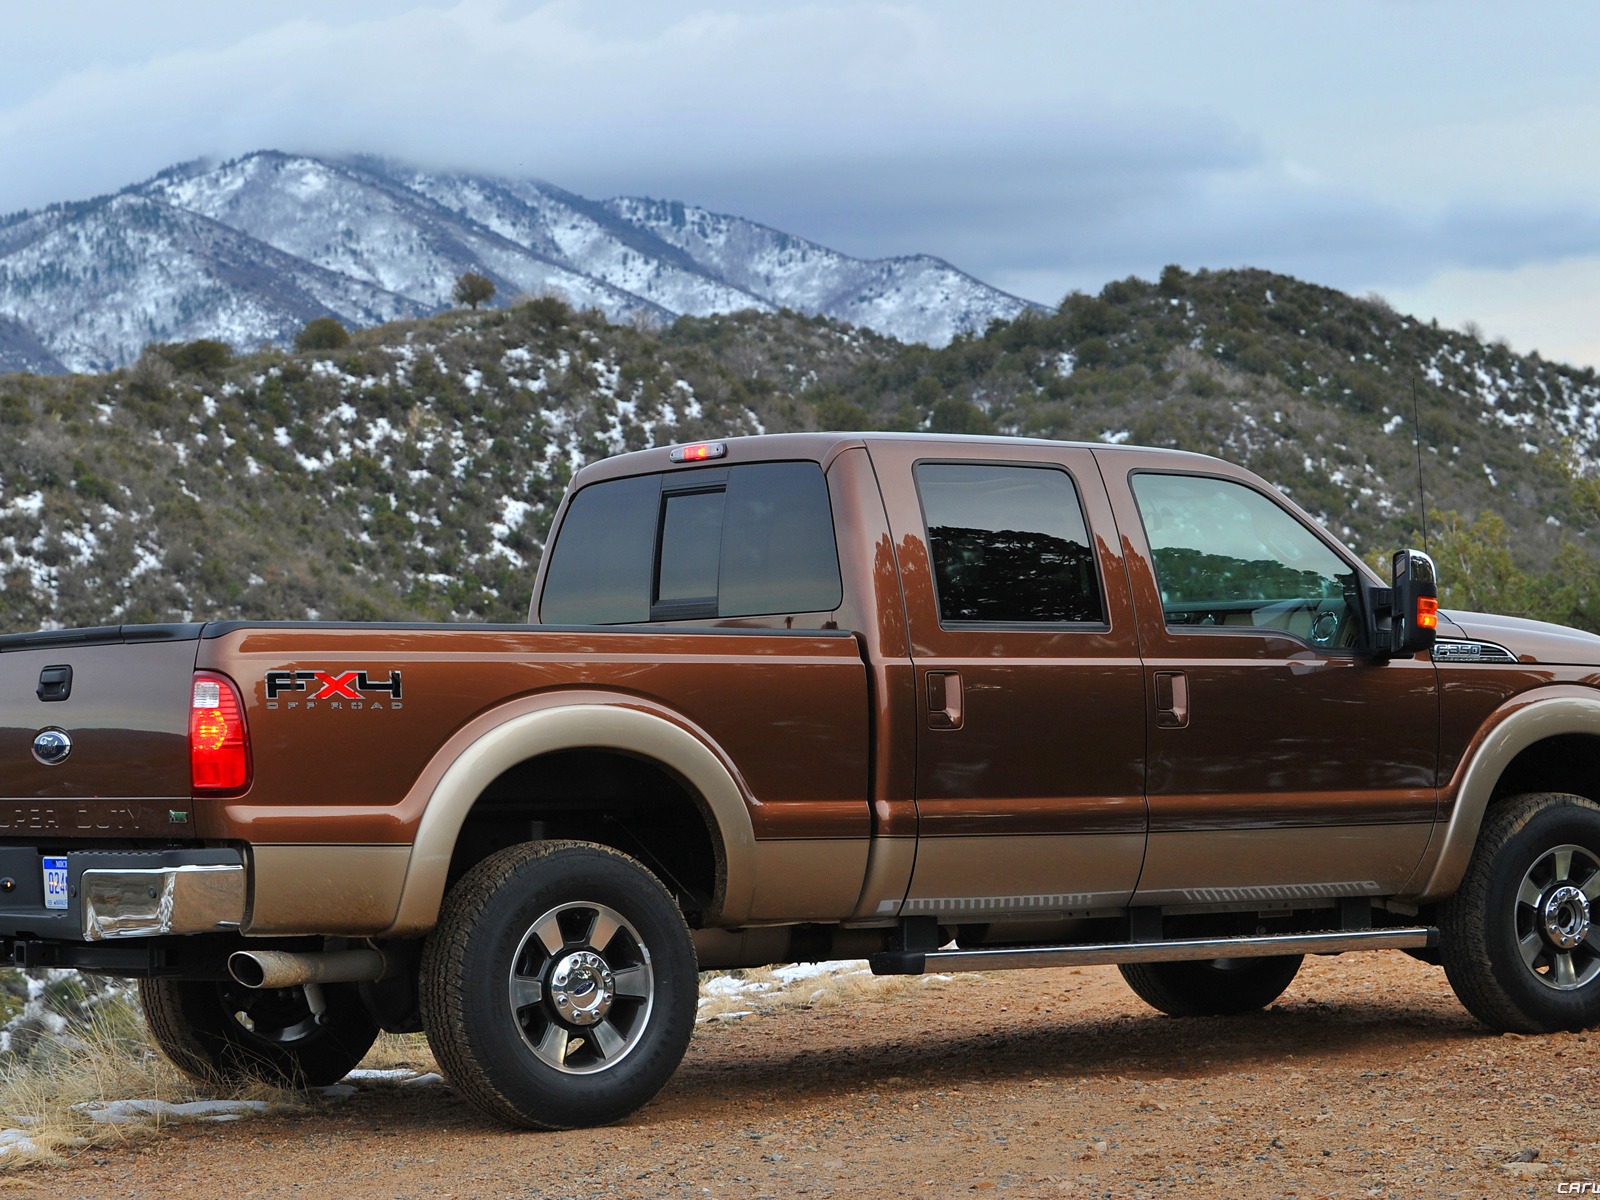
248, 251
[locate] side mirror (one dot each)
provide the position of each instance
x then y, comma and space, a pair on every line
1415, 615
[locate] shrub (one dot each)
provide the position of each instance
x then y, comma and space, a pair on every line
205, 356
324, 333
551, 312
151, 375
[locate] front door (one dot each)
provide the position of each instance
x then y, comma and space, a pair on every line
1285, 763
1030, 747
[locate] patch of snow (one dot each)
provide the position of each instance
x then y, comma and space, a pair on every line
799, 971
15, 1141
139, 1112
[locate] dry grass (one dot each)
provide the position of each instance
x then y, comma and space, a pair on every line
49, 1094
395, 1050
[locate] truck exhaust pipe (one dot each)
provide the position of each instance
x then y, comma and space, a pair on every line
281, 968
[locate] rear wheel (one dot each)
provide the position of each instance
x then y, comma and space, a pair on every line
227, 1033
1520, 938
1215, 987
559, 986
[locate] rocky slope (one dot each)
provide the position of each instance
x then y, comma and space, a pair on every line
413, 474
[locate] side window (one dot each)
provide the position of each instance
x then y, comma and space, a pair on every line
1009, 544
731, 542
1225, 555
778, 552
599, 571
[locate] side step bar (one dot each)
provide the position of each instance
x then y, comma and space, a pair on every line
919, 962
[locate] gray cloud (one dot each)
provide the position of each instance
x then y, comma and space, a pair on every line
1040, 147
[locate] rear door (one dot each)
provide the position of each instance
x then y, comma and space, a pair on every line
1030, 749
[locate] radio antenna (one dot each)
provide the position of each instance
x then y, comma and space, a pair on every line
1416, 438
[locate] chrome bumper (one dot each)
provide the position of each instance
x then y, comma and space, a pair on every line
126, 902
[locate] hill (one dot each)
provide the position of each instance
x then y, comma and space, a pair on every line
413, 474
248, 251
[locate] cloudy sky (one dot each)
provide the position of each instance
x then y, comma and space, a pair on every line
1445, 155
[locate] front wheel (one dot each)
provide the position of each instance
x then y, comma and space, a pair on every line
1519, 939
226, 1033
1217, 987
559, 987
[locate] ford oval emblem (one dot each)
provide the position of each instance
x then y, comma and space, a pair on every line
51, 746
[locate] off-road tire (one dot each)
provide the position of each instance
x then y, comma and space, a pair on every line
559, 987
197, 1025
1220, 987
1501, 956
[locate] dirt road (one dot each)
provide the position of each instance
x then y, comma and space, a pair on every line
1366, 1079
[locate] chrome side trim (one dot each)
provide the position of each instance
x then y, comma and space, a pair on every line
1564, 710
150, 901
1177, 950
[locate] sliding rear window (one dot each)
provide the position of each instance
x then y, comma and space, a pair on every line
743, 541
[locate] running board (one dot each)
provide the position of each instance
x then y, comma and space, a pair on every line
917, 962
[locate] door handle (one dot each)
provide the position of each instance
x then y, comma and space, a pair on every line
944, 700
1172, 700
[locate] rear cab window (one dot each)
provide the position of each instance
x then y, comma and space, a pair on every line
742, 541
1009, 544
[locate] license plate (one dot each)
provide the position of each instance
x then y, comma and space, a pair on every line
55, 882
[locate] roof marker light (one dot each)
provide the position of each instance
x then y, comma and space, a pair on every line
699, 451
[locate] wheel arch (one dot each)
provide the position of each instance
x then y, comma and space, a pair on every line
524, 732
1518, 749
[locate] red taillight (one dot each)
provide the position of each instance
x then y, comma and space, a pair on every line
219, 744
1427, 613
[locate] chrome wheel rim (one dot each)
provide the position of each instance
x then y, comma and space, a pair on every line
581, 988
1556, 934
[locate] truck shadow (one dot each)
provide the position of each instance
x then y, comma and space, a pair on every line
1148, 1045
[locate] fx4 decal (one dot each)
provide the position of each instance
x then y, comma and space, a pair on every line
336, 686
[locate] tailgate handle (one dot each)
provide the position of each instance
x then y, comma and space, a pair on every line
55, 683
944, 700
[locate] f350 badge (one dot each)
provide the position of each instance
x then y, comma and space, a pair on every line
335, 689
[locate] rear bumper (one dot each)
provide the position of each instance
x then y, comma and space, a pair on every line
120, 902
115, 894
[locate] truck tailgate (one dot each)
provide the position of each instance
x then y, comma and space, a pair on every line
125, 711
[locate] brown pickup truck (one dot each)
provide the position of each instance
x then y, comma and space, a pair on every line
944, 703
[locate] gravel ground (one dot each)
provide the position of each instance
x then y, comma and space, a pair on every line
1366, 1079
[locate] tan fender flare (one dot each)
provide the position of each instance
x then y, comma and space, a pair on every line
1521, 722
478, 755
